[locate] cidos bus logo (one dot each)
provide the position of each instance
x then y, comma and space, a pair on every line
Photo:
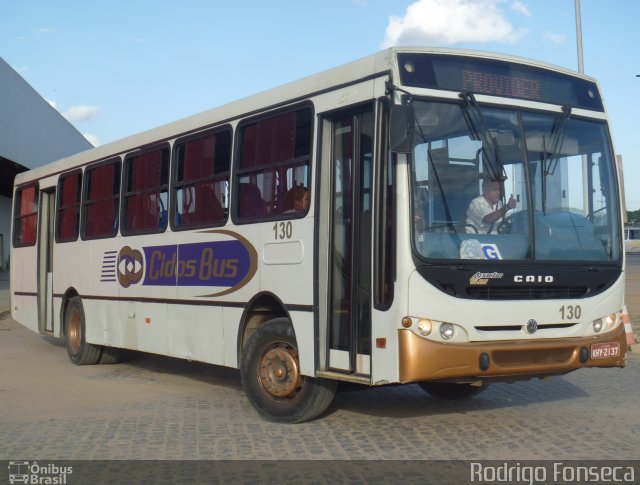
227, 264
130, 266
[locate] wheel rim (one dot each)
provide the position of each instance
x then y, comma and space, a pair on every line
278, 372
74, 332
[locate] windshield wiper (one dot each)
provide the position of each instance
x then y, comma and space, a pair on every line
556, 139
470, 110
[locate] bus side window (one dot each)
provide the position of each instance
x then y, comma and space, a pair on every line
251, 205
274, 156
145, 194
201, 180
101, 200
25, 216
68, 207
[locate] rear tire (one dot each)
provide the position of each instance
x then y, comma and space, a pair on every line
271, 377
80, 352
450, 390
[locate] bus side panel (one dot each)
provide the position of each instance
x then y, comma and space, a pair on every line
384, 359
102, 317
303, 327
58, 317
231, 317
79, 267
24, 304
144, 326
196, 333
71, 270
286, 270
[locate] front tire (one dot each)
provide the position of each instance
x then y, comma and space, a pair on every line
270, 371
451, 391
80, 351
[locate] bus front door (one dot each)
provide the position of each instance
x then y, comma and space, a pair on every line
349, 275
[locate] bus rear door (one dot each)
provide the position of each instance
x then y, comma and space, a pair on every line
45, 260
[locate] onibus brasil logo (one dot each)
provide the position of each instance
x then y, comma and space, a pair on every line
35, 473
226, 265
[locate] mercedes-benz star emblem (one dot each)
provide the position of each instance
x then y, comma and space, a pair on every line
532, 326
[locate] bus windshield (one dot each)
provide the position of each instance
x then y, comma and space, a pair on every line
507, 184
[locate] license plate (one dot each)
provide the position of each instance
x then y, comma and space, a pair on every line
605, 350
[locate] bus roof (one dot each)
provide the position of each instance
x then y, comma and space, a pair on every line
361, 69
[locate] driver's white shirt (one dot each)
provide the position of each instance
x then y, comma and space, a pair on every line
478, 209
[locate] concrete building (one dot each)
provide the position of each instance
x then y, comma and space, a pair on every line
32, 133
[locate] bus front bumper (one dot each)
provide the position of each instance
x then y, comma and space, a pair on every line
422, 359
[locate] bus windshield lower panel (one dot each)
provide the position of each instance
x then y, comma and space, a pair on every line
504, 185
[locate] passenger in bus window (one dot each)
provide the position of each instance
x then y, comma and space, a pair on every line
486, 211
297, 199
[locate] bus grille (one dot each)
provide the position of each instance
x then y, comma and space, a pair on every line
518, 328
526, 292
507, 358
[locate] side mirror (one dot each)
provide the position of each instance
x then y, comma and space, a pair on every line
401, 128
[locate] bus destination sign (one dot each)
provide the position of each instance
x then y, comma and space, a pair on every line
508, 86
497, 77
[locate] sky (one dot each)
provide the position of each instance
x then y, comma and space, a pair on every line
120, 67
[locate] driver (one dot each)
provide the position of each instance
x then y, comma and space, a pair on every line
486, 210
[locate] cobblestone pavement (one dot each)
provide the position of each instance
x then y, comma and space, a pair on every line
160, 408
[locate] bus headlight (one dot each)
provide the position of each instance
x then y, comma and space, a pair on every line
612, 320
425, 326
597, 325
608, 322
446, 330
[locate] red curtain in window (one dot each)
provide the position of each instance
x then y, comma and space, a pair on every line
146, 171
68, 213
269, 141
143, 209
200, 206
249, 136
27, 201
27, 216
70, 190
101, 182
199, 158
101, 218
102, 198
142, 213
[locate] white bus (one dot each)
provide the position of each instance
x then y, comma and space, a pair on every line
185, 240
632, 239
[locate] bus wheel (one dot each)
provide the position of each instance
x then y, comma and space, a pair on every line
449, 390
270, 371
80, 352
